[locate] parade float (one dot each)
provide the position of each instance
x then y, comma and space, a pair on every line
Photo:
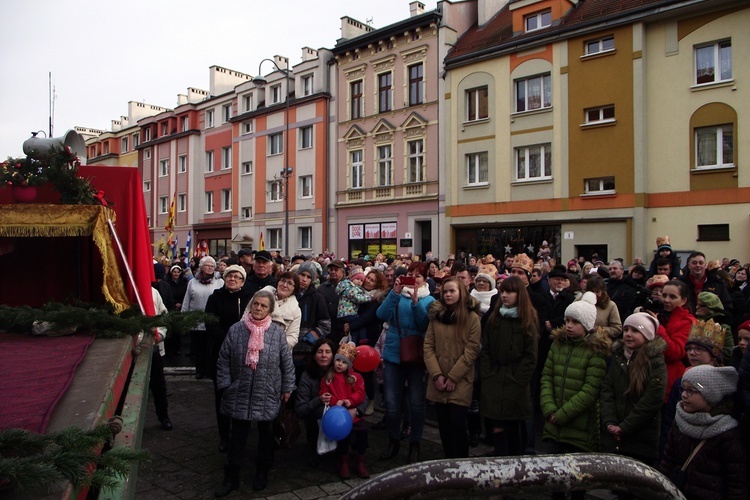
77, 270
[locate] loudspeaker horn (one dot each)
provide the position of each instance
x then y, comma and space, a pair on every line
40, 147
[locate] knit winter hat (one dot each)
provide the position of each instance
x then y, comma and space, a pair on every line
159, 270
358, 275
711, 301
487, 277
646, 324
308, 267
347, 352
235, 269
662, 243
744, 326
709, 335
713, 382
583, 311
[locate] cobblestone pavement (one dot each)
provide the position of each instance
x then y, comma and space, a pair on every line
186, 462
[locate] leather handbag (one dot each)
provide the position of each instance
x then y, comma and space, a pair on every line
410, 347
286, 427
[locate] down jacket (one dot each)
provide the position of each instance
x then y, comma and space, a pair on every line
675, 334
639, 418
412, 320
452, 353
506, 366
571, 381
254, 394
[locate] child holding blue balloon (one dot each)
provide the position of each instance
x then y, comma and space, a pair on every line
347, 390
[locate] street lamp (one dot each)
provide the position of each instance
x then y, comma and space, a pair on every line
260, 81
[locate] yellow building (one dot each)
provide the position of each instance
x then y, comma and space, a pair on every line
597, 126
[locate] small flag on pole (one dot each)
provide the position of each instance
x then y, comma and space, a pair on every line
188, 250
169, 227
262, 245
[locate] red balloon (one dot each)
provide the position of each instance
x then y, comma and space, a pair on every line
367, 359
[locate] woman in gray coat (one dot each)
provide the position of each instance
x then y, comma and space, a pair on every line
255, 374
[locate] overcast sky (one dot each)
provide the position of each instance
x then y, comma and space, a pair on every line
103, 54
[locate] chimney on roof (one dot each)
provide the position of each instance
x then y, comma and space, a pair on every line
309, 54
416, 8
351, 28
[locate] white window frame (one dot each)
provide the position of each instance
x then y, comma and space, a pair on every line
182, 164
599, 45
275, 191
305, 237
599, 115
474, 98
163, 205
356, 101
714, 51
226, 158
146, 186
226, 113
599, 185
136, 140
545, 94
210, 114
165, 128
247, 102
247, 127
357, 169
544, 169
274, 238
474, 170
416, 159
226, 200
247, 213
147, 154
306, 140
538, 20
416, 86
385, 94
147, 134
209, 199
275, 94
209, 161
181, 202
306, 186
384, 171
185, 123
307, 84
164, 167
247, 167
720, 133
276, 144
124, 143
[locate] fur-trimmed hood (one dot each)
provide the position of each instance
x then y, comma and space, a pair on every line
436, 309
598, 341
652, 349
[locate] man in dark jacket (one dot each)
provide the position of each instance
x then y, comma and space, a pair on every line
620, 291
336, 272
698, 280
262, 273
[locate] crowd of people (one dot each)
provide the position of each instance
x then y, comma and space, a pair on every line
647, 361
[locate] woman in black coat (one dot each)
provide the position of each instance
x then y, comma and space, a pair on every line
227, 303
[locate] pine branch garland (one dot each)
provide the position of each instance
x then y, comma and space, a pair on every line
30, 462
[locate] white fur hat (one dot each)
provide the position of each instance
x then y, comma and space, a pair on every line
583, 311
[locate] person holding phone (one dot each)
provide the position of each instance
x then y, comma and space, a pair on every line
405, 310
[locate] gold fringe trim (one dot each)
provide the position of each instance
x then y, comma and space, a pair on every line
43, 220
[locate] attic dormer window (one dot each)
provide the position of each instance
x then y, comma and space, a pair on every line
538, 20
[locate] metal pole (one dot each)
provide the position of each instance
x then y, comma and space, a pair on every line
286, 167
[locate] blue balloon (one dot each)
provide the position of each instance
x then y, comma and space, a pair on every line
337, 423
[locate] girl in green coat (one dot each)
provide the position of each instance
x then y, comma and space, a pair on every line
572, 378
633, 391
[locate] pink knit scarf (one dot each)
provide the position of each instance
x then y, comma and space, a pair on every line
255, 341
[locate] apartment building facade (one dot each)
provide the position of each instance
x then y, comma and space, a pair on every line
597, 126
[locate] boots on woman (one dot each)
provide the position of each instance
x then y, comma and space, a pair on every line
392, 451
344, 467
361, 468
231, 481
